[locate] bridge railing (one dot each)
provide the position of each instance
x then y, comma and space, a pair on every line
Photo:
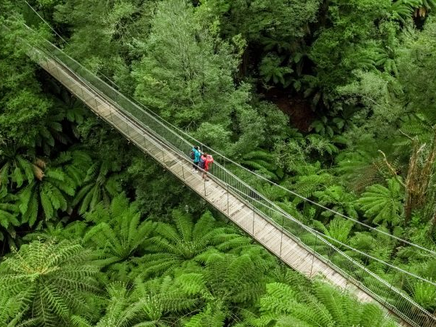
315, 242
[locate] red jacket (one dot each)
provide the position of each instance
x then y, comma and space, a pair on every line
208, 162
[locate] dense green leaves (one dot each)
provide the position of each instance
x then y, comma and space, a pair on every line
284, 305
383, 204
55, 279
187, 243
304, 93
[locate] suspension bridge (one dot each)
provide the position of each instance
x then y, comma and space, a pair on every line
295, 244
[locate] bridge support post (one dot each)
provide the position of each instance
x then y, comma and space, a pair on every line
183, 172
313, 256
254, 215
228, 207
281, 235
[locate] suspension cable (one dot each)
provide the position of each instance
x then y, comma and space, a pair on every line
314, 231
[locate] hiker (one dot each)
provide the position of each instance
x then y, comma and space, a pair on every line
195, 156
206, 161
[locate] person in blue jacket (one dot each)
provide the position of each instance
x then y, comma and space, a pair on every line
195, 155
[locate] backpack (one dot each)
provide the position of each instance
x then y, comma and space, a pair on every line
202, 163
192, 155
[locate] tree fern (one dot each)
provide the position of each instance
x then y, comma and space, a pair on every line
338, 199
322, 305
156, 302
55, 279
8, 214
16, 168
339, 229
211, 315
46, 196
186, 242
310, 180
425, 295
101, 184
359, 169
118, 230
404, 10
234, 278
226, 284
13, 310
383, 204
49, 132
75, 164
263, 163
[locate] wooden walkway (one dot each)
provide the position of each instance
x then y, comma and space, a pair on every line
289, 250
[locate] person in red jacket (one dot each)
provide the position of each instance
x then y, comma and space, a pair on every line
206, 161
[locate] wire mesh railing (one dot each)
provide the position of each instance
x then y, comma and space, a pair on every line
316, 243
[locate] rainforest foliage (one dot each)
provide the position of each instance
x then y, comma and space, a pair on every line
331, 99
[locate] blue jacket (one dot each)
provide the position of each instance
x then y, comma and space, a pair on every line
196, 155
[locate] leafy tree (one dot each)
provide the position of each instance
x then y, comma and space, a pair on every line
120, 28
22, 103
55, 279
348, 42
274, 32
187, 76
156, 192
415, 66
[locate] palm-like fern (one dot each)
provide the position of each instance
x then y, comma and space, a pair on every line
383, 204
46, 196
50, 131
13, 311
99, 185
323, 306
156, 302
187, 242
338, 199
339, 228
404, 9
235, 278
118, 230
8, 214
228, 282
359, 169
425, 295
17, 168
263, 163
55, 279
75, 164
311, 178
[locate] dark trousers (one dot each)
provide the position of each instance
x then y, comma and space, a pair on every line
195, 165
